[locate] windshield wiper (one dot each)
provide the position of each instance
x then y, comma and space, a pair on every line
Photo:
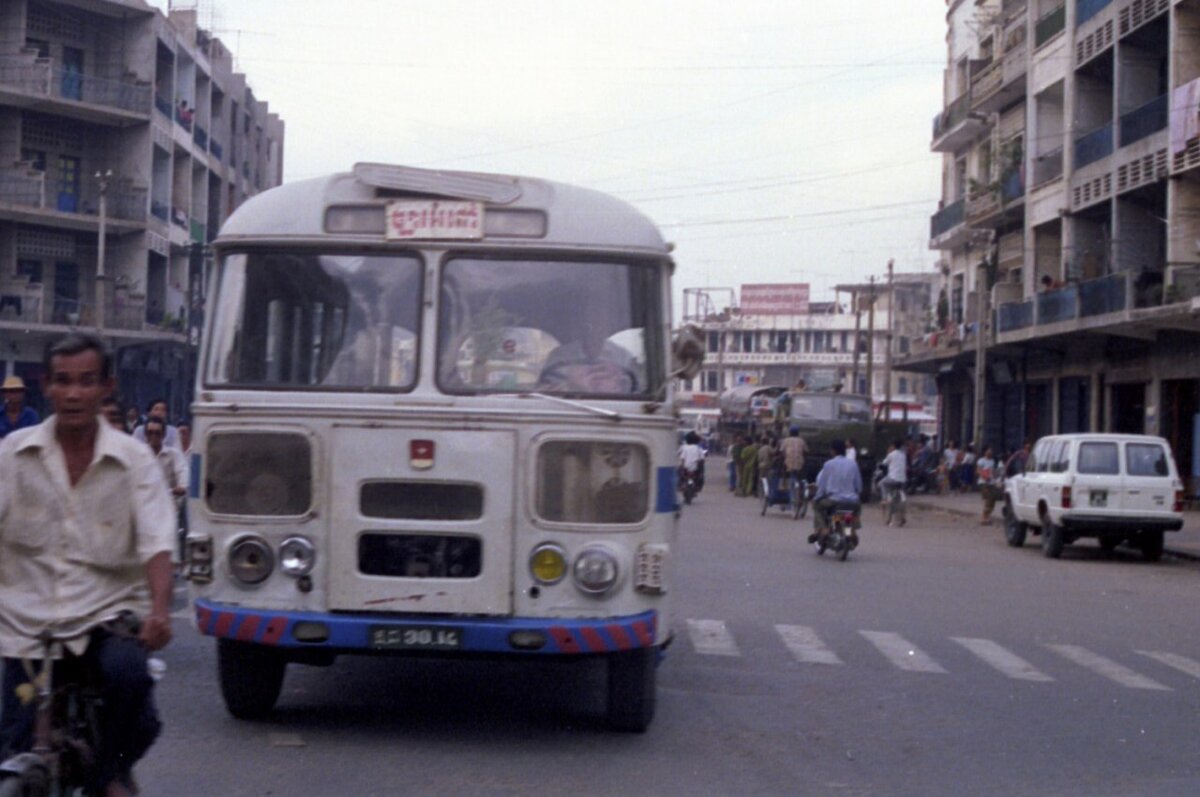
579, 405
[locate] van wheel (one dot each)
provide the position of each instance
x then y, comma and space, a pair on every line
1014, 530
632, 689
251, 677
1052, 539
1152, 545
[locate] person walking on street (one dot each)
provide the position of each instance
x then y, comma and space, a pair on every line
16, 415
991, 484
896, 464
747, 463
766, 456
86, 532
794, 449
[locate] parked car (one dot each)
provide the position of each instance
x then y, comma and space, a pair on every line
1114, 487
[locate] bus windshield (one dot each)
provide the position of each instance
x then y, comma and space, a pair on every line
312, 321
553, 326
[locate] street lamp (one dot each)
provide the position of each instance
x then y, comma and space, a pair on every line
102, 178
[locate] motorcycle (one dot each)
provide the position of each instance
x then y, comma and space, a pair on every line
842, 537
691, 482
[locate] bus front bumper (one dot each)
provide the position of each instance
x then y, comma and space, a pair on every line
371, 633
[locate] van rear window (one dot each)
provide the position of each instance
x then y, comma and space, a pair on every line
1099, 458
1145, 459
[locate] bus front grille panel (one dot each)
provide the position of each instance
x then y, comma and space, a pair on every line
419, 555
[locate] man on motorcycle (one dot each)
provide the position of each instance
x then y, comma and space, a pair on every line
86, 533
838, 482
691, 460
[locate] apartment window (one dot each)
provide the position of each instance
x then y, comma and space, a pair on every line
713, 340
31, 269
818, 343
845, 342
903, 384
36, 158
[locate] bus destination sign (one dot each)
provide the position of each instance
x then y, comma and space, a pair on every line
421, 219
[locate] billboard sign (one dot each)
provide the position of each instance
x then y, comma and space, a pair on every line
775, 299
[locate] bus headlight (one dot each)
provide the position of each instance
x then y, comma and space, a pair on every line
251, 560
595, 570
297, 556
548, 564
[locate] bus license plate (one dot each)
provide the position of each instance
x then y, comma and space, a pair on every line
415, 637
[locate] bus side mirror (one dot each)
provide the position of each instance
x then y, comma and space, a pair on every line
687, 352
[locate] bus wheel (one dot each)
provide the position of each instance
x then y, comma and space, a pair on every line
251, 677
631, 689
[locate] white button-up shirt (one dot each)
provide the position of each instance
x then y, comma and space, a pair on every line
74, 556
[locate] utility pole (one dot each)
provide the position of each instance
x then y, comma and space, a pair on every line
981, 326
101, 277
887, 388
871, 340
857, 338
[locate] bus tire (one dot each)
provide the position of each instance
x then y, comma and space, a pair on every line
251, 677
632, 689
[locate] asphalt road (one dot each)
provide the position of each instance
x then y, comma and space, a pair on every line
936, 661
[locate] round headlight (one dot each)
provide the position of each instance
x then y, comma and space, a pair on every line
548, 563
297, 556
251, 560
595, 570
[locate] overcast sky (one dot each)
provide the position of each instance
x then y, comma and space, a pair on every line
772, 141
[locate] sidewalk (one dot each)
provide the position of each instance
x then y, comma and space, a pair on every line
1184, 543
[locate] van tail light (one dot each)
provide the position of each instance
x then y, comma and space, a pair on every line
1178, 505
1066, 497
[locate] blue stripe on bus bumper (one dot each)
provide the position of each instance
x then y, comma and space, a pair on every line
482, 635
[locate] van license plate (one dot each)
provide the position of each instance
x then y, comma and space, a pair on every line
415, 637
1098, 498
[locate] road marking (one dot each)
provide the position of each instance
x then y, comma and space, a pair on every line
712, 638
1107, 667
1181, 663
805, 645
1002, 659
902, 653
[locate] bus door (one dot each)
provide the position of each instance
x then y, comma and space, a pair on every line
421, 520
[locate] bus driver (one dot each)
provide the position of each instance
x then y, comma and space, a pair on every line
591, 363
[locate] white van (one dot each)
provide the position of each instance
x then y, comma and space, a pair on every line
1115, 487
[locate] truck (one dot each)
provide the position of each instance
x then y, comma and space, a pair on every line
821, 416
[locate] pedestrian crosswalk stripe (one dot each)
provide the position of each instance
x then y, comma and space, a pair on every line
805, 645
1181, 663
902, 653
1002, 659
712, 638
1106, 667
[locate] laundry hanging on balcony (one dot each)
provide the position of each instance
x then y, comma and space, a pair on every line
1185, 115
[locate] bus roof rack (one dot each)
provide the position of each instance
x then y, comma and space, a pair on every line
458, 185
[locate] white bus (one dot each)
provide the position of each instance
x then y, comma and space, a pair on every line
434, 418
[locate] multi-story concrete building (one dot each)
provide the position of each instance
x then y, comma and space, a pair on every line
126, 138
1070, 220
814, 342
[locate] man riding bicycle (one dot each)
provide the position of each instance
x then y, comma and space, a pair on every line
839, 482
86, 533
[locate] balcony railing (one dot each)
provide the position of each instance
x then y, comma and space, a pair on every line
160, 210
200, 136
1144, 121
1113, 293
1058, 305
1086, 9
128, 204
947, 218
952, 115
163, 105
23, 187
1050, 25
1094, 146
1014, 315
42, 77
1103, 295
1012, 187
215, 148
1048, 166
